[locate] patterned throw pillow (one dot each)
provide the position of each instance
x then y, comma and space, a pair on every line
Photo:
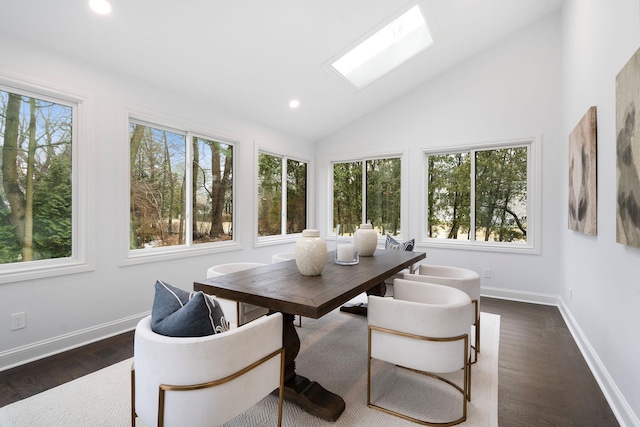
392, 243
178, 313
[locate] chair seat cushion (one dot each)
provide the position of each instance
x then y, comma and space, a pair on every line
178, 313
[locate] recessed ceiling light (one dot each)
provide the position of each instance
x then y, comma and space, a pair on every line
396, 42
294, 103
102, 7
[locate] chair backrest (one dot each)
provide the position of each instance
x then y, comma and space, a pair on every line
446, 271
425, 310
232, 267
460, 278
237, 313
160, 359
282, 257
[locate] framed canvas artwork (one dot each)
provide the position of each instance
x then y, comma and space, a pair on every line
583, 197
628, 153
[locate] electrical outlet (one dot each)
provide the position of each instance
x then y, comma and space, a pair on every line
487, 272
18, 321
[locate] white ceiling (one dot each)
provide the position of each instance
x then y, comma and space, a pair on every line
251, 57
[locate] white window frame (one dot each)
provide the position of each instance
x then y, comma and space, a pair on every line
146, 255
81, 259
534, 199
285, 155
404, 191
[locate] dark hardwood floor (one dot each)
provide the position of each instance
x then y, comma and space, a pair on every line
543, 378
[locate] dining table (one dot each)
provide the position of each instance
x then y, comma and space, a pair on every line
280, 287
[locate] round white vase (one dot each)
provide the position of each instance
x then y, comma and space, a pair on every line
367, 239
311, 253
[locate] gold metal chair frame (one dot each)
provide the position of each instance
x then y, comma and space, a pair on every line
163, 388
476, 347
465, 390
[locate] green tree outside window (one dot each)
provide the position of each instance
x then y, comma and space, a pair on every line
494, 179
381, 181
36, 194
278, 175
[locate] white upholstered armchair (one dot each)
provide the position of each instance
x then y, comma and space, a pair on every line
424, 328
283, 257
460, 278
205, 380
237, 313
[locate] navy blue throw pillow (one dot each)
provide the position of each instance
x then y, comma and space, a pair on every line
178, 313
392, 243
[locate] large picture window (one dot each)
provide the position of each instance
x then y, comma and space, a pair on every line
481, 194
368, 190
282, 195
37, 192
181, 188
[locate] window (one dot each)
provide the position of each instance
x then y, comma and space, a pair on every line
481, 195
282, 195
181, 188
368, 190
39, 209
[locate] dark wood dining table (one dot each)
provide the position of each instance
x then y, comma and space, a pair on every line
281, 288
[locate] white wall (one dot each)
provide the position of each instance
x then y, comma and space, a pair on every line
539, 81
600, 36
510, 91
67, 310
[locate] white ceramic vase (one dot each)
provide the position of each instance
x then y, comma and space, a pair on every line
311, 253
367, 238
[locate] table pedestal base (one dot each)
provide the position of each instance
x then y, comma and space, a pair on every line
309, 395
361, 307
355, 308
313, 398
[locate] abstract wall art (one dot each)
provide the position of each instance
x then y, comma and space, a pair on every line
583, 188
628, 153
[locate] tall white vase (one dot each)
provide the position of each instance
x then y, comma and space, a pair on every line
311, 253
367, 238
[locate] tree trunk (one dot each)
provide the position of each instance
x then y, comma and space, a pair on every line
136, 139
220, 183
12, 189
27, 244
182, 212
167, 175
195, 169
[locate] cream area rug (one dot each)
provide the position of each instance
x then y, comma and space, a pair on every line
333, 352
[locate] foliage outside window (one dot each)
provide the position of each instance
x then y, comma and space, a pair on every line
479, 194
169, 205
36, 210
374, 184
282, 195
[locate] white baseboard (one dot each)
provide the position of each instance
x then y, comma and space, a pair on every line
521, 296
39, 350
619, 405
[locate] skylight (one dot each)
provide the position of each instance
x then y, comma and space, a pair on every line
398, 41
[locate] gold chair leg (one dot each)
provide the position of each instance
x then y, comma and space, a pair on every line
133, 398
465, 390
476, 346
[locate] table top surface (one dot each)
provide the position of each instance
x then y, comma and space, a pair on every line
281, 287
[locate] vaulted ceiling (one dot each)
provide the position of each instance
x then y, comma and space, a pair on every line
251, 57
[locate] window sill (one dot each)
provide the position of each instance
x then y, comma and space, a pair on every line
42, 269
467, 245
144, 256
